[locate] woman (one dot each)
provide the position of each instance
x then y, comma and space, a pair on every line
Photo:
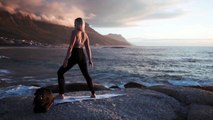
75, 55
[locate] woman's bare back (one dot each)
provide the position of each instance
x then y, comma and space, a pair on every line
81, 37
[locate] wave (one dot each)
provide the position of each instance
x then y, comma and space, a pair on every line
192, 60
17, 91
184, 82
189, 82
4, 57
4, 72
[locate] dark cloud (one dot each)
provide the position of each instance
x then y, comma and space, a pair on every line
99, 13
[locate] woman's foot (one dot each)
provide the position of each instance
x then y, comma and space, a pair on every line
60, 96
93, 96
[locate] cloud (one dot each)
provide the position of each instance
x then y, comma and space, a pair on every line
99, 13
59, 12
125, 12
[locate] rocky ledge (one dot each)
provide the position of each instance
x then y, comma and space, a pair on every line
141, 103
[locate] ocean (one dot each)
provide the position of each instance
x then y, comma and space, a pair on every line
25, 69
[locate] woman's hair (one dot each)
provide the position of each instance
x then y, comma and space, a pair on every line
79, 24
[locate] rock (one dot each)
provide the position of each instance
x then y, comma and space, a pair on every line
147, 105
133, 85
114, 87
3, 84
77, 87
135, 104
207, 88
200, 112
186, 95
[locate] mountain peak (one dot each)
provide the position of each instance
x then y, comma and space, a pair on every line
118, 37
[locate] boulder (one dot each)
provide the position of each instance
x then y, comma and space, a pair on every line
135, 104
207, 88
3, 84
200, 112
133, 85
186, 95
114, 87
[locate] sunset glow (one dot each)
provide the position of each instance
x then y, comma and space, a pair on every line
139, 21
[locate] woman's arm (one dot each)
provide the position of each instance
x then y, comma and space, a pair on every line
88, 50
69, 50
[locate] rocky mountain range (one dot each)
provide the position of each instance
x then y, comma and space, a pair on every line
17, 29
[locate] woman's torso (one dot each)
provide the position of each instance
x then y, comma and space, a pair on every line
81, 37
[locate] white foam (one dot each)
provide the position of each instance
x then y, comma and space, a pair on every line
184, 82
4, 71
5, 79
206, 83
28, 77
17, 90
3, 57
149, 84
82, 98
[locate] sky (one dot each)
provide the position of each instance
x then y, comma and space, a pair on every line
141, 22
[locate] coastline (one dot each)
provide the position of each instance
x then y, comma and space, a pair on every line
139, 102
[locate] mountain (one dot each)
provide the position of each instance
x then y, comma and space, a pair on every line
16, 28
117, 37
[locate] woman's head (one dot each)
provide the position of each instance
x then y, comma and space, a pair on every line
79, 24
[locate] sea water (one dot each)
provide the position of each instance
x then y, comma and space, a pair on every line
23, 67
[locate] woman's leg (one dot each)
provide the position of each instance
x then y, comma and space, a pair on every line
61, 71
83, 67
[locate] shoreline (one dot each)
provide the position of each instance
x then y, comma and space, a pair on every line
139, 102
8, 90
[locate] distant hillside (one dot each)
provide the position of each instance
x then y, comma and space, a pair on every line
18, 27
116, 37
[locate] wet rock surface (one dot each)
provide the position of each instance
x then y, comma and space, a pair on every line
144, 103
135, 104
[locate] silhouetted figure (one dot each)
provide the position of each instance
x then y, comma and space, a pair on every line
75, 55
